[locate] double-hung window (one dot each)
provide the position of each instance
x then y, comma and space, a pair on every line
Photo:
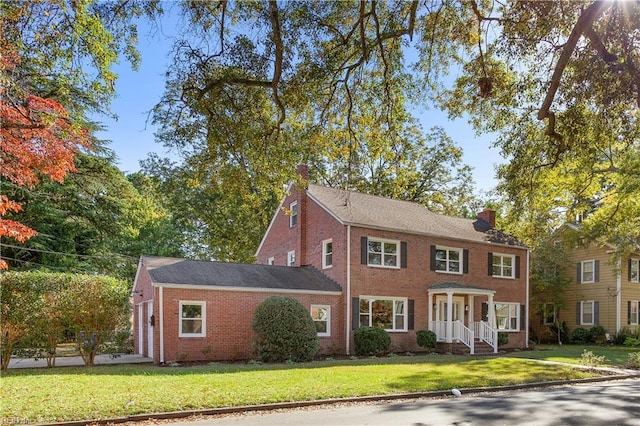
634, 270
384, 253
503, 265
321, 315
587, 312
192, 321
448, 260
508, 316
389, 314
293, 214
588, 271
327, 254
634, 315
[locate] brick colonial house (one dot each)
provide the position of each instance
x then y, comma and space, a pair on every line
353, 260
604, 291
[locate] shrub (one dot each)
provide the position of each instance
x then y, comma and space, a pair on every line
284, 330
580, 335
426, 339
620, 337
598, 334
503, 338
633, 360
371, 341
631, 342
589, 358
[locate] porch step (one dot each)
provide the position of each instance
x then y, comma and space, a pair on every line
480, 348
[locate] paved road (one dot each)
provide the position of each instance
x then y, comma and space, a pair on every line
605, 403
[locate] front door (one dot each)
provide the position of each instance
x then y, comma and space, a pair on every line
441, 308
150, 329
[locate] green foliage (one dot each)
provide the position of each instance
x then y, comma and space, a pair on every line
589, 358
426, 339
503, 338
633, 360
621, 336
371, 341
38, 308
580, 335
631, 342
284, 330
597, 334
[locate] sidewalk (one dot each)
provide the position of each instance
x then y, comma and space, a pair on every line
73, 361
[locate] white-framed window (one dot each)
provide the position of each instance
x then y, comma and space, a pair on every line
448, 260
383, 253
387, 313
503, 265
321, 315
291, 258
634, 315
634, 270
588, 271
587, 312
327, 254
549, 313
193, 319
271, 261
508, 316
293, 214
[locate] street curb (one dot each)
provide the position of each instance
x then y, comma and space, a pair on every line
370, 398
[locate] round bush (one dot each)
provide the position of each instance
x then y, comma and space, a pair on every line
283, 331
580, 335
371, 341
426, 339
598, 334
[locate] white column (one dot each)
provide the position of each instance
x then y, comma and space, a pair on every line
449, 332
430, 310
492, 312
470, 321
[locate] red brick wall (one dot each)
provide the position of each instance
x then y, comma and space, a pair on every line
228, 324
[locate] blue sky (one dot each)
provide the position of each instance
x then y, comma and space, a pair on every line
132, 135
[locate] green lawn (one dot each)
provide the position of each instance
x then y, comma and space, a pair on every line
58, 394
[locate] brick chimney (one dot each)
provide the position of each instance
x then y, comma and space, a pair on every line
303, 172
488, 216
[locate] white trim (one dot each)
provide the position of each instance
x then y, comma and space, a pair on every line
593, 271
291, 258
405, 322
246, 289
348, 301
328, 308
325, 243
513, 265
593, 312
203, 305
141, 341
150, 329
460, 260
161, 322
293, 204
271, 261
384, 241
273, 219
518, 319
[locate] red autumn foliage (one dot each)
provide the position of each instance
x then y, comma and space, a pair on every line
37, 139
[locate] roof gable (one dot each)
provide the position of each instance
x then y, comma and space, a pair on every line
174, 271
354, 208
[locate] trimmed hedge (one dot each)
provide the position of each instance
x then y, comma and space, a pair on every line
426, 339
371, 341
284, 331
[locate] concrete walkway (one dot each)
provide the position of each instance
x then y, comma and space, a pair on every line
75, 361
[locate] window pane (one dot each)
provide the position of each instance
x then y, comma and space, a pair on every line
191, 311
507, 272
454, 266
496, 270
381, 314
507, 261
441, 265
321, 326
328, 260
375, 247
192, 326
441, 254
390, 248
364, 306
454, 255
375, 259
390, 260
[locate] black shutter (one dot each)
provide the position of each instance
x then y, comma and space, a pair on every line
578, 316
410, 316
433, 258
490, 264
578, 272
596, 313
523, 314
355, 312
629, 312
596, 271
517, 266
465, 261
485, 312
629, 270
364, 252
403, 254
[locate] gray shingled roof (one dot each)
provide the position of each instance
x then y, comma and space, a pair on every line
167, 270
354, 208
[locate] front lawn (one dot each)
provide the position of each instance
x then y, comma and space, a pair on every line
616, 356
59, 394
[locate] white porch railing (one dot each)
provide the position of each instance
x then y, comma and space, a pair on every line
460, 333
486, 333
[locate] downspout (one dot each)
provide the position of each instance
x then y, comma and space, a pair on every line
619, 296
161, 323
526, 304
348, 301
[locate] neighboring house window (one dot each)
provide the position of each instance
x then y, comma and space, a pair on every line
321, 315
293, 214
588, 271
587, 312
448, 260
508, 316
503, 265
291, 258
634, 270
389, 314
192, 319
327, 253
549, 314
383, 253
271, 261
634, 307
